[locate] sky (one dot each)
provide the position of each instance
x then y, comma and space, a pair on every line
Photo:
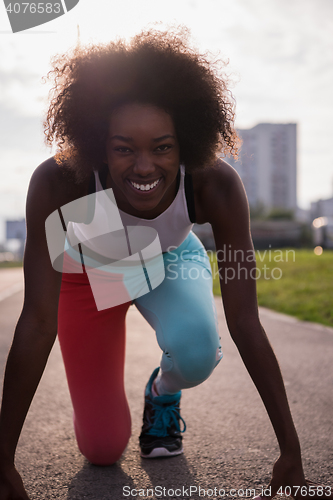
280, 55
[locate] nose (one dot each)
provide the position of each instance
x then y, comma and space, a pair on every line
144, 165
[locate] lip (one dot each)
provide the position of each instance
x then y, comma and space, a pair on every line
144, 193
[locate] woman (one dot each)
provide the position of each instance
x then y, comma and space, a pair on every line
143, 124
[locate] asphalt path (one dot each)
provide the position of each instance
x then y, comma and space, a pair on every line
229, 443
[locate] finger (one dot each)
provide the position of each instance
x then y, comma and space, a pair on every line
310, 491
322, 491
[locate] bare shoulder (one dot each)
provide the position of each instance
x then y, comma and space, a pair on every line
218, 191
52, 187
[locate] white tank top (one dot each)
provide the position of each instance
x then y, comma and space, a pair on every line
172, 226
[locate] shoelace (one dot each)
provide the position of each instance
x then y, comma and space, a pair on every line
163, 417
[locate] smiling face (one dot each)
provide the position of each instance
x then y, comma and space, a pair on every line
143, 159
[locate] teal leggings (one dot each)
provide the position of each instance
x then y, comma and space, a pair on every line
182, 312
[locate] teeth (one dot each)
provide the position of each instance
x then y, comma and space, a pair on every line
145, 187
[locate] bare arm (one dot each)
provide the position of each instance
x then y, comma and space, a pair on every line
34, 335
223, 203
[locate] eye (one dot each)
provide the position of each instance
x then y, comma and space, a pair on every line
123, 149
163, 148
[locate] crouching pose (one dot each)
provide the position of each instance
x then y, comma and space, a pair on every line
139, 129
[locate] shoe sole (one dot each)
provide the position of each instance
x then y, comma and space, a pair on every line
162, 452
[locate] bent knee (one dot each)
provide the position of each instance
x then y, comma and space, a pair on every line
195, 370
197, 362
103, 445
104, 451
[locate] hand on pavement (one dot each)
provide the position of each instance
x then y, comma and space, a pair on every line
288, 480
11, 485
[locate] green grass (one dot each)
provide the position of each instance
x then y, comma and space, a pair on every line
13, 263
305, 288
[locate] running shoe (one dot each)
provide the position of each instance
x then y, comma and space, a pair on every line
161, 434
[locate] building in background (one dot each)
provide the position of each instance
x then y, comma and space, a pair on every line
322, 208
268, 166
17, 233
322, 225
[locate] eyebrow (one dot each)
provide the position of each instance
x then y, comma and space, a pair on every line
122, 138
167, 136
130, 139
